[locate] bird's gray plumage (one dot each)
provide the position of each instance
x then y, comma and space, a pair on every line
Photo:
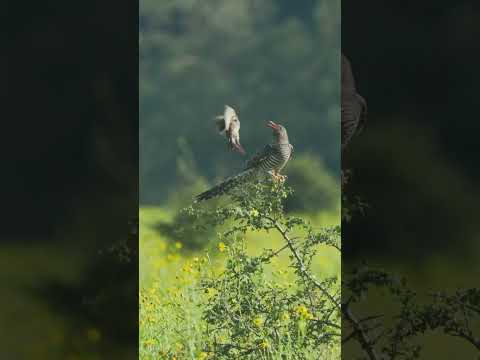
272, 159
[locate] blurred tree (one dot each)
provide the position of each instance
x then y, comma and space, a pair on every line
196, 56
315, 188
184, 227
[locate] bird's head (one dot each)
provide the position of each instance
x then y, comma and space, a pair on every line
279, 132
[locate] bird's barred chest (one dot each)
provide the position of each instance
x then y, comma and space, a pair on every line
278, 157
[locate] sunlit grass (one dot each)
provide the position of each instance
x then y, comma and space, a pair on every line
170, 302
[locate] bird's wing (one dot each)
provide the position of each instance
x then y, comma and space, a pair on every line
354, 114
224, 122
228, 115
220, 123
259, 157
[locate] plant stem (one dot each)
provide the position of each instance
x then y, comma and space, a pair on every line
361, 334
302, 268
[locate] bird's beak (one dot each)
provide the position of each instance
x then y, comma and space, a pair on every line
272, 125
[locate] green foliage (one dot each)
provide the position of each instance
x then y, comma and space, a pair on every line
247, 296
251, 316
456, 315
398, 328
196, 56
319, 190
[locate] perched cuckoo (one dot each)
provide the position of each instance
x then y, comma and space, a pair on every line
354, 107
271, 160
228, 124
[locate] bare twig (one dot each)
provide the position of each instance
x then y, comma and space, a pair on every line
302, 268
361, 334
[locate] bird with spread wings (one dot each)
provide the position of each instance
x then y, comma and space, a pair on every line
228, 124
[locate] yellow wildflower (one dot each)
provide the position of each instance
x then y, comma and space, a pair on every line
254, 212
187, 268
178, 245
210, 291
149, 342
303, 312
203, 355
221, 247
258, 321
264, 344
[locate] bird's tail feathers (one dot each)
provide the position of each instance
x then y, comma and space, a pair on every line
225, 186
235, 145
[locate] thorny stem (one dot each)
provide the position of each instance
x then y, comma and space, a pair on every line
445, 297
304, 272
361, 334
276, 253
468, 338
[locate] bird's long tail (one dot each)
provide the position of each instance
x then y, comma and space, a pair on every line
226, 185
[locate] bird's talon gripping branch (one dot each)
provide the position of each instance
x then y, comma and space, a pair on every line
278, 177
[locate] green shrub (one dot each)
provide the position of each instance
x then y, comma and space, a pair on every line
250, 316
318, 189
184, 228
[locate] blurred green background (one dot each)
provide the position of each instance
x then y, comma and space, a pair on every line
70, 172
270, 60
273, 60
416, 164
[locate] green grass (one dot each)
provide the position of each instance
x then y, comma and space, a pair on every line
30, 327
171, 305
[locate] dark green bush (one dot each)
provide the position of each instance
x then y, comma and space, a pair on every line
316, 188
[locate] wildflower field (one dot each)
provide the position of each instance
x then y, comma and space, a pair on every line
176, 298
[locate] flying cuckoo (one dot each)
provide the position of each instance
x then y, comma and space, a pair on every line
228, 124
